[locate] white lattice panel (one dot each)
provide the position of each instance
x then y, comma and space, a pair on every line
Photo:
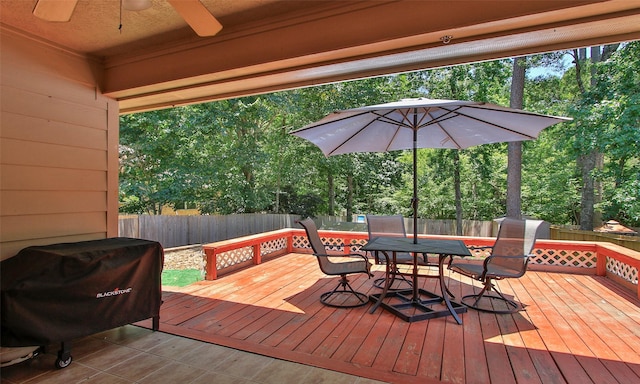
272, 246
330, 243
233, 257
356, 244
300, 242
480, 252
333, 244
563, 258
623, 270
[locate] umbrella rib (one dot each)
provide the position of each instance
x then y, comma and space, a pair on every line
385, 119
436, 121
500, 126
344, 142
313, 126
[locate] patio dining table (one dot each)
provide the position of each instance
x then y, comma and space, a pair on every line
416, 304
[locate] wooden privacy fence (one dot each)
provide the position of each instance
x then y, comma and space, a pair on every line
631, 242
176, 231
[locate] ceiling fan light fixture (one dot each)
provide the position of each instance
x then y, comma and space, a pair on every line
136, 5
50, 10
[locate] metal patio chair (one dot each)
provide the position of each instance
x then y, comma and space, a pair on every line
343, 295
508, 260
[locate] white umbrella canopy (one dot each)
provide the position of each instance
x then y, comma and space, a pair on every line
422, 123
437, 123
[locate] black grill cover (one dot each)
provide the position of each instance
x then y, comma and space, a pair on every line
60, 292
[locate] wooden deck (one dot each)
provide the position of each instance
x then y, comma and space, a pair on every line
576, 328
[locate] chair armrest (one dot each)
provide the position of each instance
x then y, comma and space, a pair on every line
358, 256
481, 247
350, 255
490, 259
342, 245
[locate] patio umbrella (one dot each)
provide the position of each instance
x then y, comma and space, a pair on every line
422, 123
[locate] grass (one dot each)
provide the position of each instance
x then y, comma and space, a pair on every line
181, 278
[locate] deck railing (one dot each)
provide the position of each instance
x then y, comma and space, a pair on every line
604, 259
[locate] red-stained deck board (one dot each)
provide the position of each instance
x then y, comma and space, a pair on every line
386, 330
348, 326
542, 360
309, 301
453, 369
453, 359
568, 367
495, 350
316, 332
409, 356
476, 371
432, 352
573, 329
313, 330
235, 298
356, 337
576, 328
604, 341
198, 300
272, 294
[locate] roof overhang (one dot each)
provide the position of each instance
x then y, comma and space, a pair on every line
328, 48
269, 45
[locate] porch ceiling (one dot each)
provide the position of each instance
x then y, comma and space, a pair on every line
157, 61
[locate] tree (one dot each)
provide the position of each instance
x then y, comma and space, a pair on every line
154, 162
514, 149
616, 111
550, 184
589, 156
481, 82
238, 156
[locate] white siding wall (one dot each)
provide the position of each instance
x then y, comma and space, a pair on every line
58, 147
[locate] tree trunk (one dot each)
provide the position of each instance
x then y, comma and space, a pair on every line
514, 155
596, 56
456, 182
332, 195
349, 198
598, 190
514, 180
587, 164
591, 158
276, 204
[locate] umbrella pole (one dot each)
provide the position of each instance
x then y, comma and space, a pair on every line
414, 201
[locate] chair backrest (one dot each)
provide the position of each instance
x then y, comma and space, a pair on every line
319, 250
385, 226
312, 235
515, 238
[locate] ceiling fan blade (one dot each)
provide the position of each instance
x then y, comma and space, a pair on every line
197, 16
55, 10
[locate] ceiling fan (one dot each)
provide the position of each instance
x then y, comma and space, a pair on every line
192, 11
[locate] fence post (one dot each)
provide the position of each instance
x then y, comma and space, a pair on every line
601, 263
290, 242
257, 256
211, 269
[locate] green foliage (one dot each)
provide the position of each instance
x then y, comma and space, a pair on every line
616, 113
237, 155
